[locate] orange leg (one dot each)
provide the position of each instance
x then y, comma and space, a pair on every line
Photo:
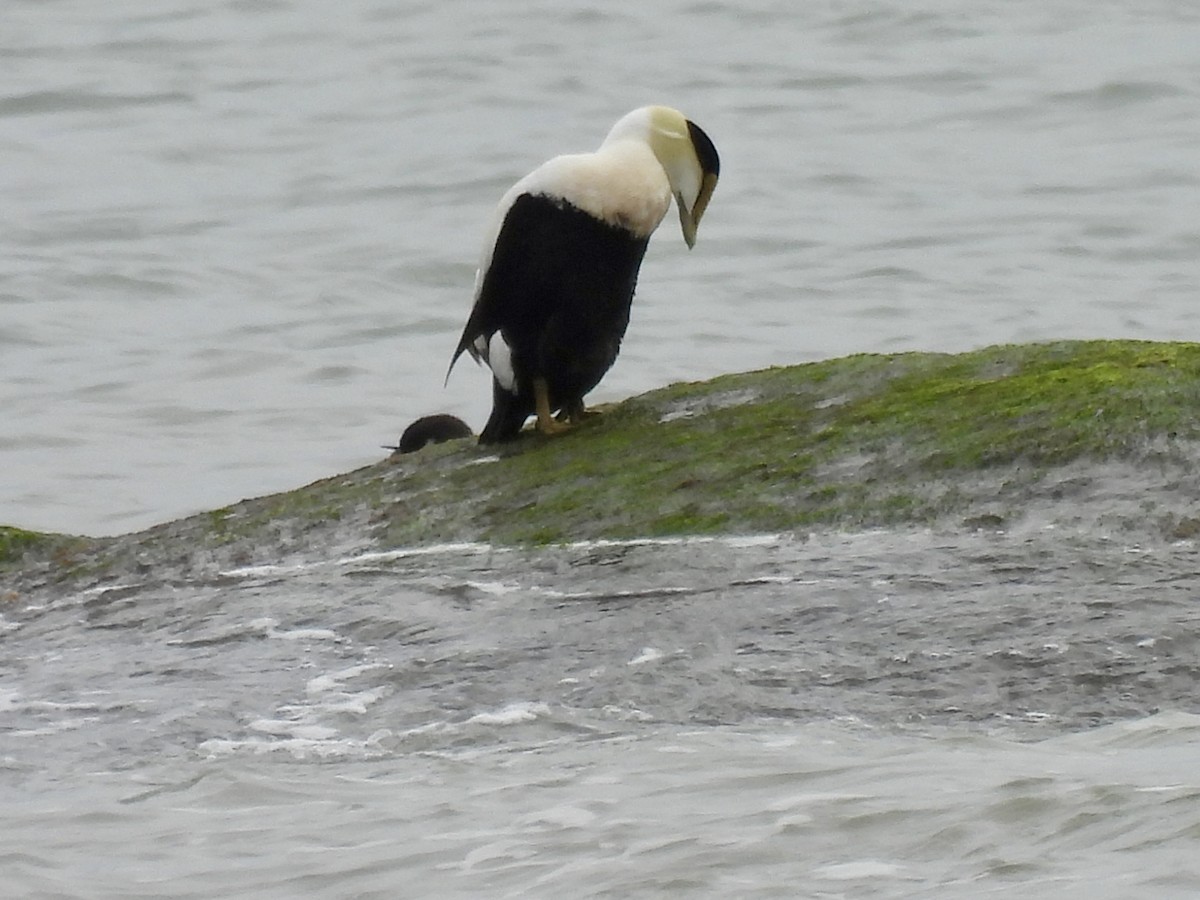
541, 401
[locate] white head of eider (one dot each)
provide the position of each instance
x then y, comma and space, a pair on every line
559, 267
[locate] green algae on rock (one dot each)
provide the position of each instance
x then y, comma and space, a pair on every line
17, 543
858, 442
855, 442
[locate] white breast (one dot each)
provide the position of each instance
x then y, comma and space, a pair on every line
622, 184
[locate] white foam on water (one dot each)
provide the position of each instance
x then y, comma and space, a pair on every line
305, 634
511, 714
333, 680
648, 655
861, 870
474, 548
495, 588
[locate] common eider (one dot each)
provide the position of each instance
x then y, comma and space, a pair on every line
431, 430
559, 268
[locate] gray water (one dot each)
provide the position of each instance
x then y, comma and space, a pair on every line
238, 242
890, 714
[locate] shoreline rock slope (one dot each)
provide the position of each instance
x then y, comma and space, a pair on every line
1099, 434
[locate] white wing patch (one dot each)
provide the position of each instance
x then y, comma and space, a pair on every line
493, 351
499, 360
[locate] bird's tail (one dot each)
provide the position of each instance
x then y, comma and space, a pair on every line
509, 412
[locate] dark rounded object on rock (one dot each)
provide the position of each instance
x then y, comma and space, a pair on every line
431, 430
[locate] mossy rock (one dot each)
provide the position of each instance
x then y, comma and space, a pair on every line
855, 442
863, 441
15, 542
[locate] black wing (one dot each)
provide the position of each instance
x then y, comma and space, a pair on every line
497, 303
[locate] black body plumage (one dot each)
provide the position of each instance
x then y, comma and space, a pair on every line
559, 288
431, 430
